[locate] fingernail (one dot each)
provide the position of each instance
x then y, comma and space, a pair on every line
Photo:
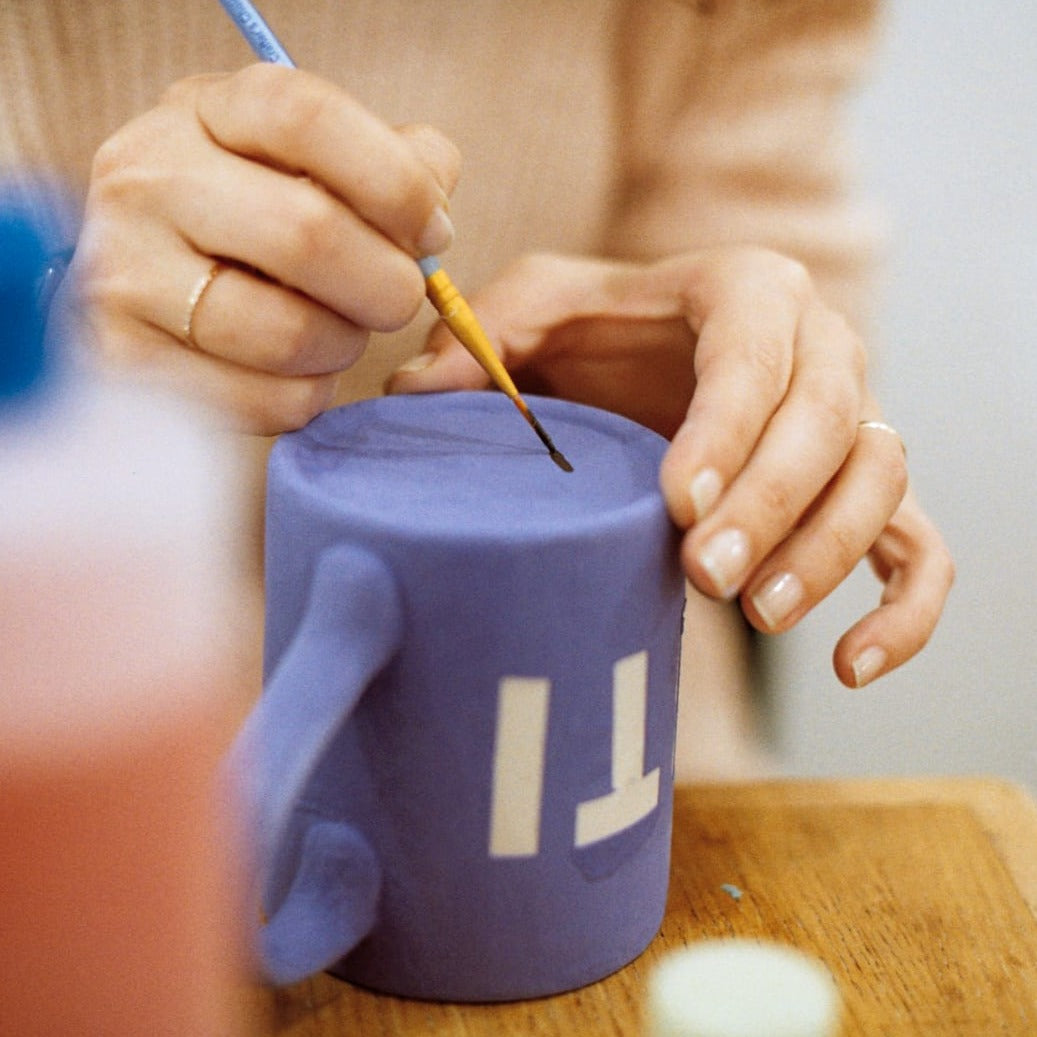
705, 490
725, 558
416, 363
437, 235
868, 665
776, 599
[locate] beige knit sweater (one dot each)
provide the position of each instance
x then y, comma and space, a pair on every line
624, 127
630, 127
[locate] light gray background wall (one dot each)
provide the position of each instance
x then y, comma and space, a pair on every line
947, 130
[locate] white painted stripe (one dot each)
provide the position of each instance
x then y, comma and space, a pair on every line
518, 766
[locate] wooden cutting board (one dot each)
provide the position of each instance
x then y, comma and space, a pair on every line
920, 896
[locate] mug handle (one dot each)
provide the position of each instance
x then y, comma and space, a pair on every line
351, 628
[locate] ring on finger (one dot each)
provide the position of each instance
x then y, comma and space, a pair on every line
201, 286
881, 426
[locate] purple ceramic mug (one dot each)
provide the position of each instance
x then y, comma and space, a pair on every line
462, 762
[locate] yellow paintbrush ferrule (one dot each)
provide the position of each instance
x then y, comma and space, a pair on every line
458, 316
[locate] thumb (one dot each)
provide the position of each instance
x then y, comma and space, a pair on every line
518, 311
444, 365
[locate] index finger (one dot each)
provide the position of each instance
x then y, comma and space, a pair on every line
302, 124
746, 320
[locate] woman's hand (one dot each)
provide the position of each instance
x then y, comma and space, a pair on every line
731, 353
315, 211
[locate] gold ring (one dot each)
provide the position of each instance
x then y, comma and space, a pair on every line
881, 426
197, 292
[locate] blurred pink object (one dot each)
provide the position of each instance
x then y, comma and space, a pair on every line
120, 682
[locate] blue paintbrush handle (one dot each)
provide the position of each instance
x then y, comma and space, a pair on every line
260, 36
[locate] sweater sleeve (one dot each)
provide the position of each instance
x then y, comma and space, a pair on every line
729, 120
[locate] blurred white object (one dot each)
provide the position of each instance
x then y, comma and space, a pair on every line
742, 988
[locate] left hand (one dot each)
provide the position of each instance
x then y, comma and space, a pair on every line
731, 353
243, 238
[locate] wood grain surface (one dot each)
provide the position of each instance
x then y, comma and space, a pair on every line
919, 895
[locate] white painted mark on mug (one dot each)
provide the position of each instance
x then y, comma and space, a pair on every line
634, 794
519, 760
518, 766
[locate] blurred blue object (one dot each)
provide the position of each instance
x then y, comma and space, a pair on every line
23, 265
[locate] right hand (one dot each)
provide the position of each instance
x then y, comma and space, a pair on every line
731, 352
316, 209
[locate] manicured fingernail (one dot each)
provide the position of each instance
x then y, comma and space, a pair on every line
776, 599
705, 490
416, 363
725, 558
868, 665
437, 235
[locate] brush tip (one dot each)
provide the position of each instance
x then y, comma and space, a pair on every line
556, 455
561, 460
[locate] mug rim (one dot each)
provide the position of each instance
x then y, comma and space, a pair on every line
646, 496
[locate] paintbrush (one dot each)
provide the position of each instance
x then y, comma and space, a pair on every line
448, 301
